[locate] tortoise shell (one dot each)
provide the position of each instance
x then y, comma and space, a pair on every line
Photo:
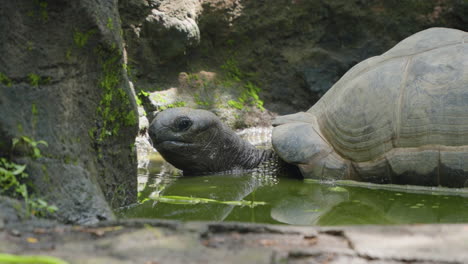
401, 117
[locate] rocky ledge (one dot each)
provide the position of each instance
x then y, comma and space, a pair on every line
151, 241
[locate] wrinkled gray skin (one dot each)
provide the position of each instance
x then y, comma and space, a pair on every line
197, 142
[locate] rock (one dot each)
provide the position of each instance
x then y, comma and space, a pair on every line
203, 242
63, 83
11, 210
205, 90
293, 50
299, 49
158, 33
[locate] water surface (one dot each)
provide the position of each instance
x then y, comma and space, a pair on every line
259, 197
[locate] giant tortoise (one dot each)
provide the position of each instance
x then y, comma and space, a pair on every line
401, 117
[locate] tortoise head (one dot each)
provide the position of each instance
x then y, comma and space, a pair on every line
196, 141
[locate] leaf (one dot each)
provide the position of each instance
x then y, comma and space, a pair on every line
27, 140
18, 169
32, 240
42, 142
174, 199
37, 153
14, 142
52, 209
41, 202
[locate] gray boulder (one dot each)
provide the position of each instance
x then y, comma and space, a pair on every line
158, 34
63, 82
294, 50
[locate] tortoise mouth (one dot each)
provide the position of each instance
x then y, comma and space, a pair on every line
172, 144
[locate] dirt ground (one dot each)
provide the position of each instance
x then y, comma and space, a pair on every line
157, 242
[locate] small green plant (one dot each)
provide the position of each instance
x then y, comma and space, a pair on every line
251, 93
40, 208
141, 95
5, 80
138, 101
81, 38
30, 144
12, 176
144, 93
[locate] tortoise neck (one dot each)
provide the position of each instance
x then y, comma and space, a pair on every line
241, 154
252, 157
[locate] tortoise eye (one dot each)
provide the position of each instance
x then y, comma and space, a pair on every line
183, 124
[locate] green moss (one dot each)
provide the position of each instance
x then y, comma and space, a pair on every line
34, 109
46, 173
114, 108
5, 80
232, 70
138, 101
68, 54
29, 45
200, 101
110, 23
41, 8
130, 118
158, 98
36, 80
81, 38
236, 104
20, 128
35, 114
173, 105
92, 132
249, 92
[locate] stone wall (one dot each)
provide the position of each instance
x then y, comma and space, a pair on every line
294, 50
64, 82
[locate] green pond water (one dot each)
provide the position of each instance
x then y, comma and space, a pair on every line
262, 198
